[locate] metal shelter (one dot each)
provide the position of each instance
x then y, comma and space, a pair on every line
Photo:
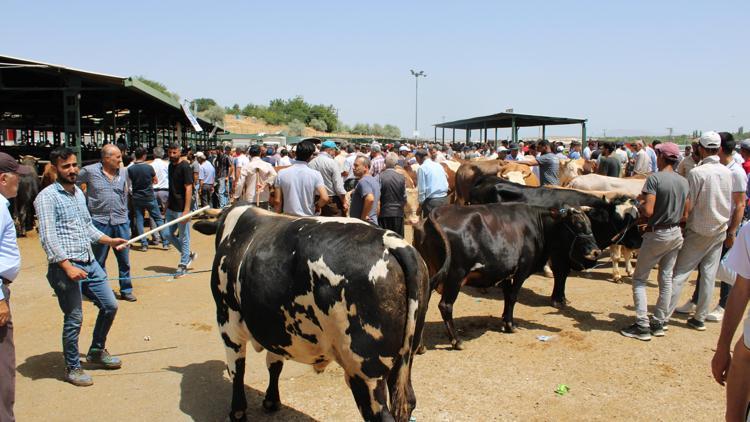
44, 105
506, 120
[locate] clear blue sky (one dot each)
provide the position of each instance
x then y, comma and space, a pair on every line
629, 67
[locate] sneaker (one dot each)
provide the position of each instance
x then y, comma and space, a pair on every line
77, 377
687, 308
181, 270
193, 256
657, 329
636, 331
103, 358
144, 248
716, 315
130, 297
696, 325
165, 246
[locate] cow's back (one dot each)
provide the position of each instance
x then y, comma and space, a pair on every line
314, 289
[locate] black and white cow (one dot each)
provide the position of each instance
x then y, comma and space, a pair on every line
317, 290
483, 245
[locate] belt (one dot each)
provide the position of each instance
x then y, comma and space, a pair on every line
649, 229
161, 189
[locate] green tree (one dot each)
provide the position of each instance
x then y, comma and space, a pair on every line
203, 104
361, 129
318, 125
215, 114
235, 109
158, 86
295, 128
391, 131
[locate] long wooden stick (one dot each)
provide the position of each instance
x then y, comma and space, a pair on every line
171, 223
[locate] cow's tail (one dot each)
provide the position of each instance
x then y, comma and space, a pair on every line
415, 276
439, 277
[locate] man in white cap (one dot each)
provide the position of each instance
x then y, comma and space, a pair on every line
10, 265
739, 185
708, 218
502, 152
403, 153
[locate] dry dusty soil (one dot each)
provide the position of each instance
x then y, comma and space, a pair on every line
174, 359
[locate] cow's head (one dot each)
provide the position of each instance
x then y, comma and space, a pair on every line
624, 215
576, 236
29, 160
570, 169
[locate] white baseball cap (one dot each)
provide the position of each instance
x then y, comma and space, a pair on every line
403, 148
710, 139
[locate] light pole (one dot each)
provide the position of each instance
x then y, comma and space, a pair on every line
416, 99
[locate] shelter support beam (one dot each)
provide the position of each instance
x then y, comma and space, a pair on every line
583, 133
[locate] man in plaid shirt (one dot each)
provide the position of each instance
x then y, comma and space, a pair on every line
67, 232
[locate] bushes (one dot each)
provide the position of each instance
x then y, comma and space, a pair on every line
279, 112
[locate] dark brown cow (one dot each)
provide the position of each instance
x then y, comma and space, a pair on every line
469, 173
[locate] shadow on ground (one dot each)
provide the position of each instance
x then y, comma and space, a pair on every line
471, 327
206, 395
49, 365
161, 269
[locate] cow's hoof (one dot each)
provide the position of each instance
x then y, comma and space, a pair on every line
559, 304
617, 280
458, 344
421, 349
510, 328
548, 272
238, 417
271, 405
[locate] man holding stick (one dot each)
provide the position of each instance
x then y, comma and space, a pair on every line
66, 232
178, 205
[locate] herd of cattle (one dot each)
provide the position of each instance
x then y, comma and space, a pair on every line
317, 290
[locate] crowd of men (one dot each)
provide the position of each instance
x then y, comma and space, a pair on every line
93, 209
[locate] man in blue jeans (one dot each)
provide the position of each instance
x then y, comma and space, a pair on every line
66, 232
142, 177
106, 185
178, 205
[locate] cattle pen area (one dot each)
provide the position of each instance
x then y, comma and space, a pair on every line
569, 364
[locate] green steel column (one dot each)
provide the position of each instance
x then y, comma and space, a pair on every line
453, 140
468, 134
544, 131
583, 133
434, 138
514, 132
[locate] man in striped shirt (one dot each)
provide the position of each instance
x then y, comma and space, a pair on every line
66, 232
106, 185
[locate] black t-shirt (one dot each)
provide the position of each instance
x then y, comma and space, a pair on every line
222, 166
392, 194
141, 178
179, 176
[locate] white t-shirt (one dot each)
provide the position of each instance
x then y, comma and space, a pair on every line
161, 168
738, 259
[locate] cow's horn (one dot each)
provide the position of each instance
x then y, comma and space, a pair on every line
585, 208
213, 212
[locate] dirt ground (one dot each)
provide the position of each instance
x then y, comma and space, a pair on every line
174, 359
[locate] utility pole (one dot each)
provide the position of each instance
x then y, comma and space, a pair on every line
670, 129
416, 100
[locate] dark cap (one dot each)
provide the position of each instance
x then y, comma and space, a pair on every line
254, 149
9, 164
513, 146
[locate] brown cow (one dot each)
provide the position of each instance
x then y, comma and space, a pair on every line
469, 173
